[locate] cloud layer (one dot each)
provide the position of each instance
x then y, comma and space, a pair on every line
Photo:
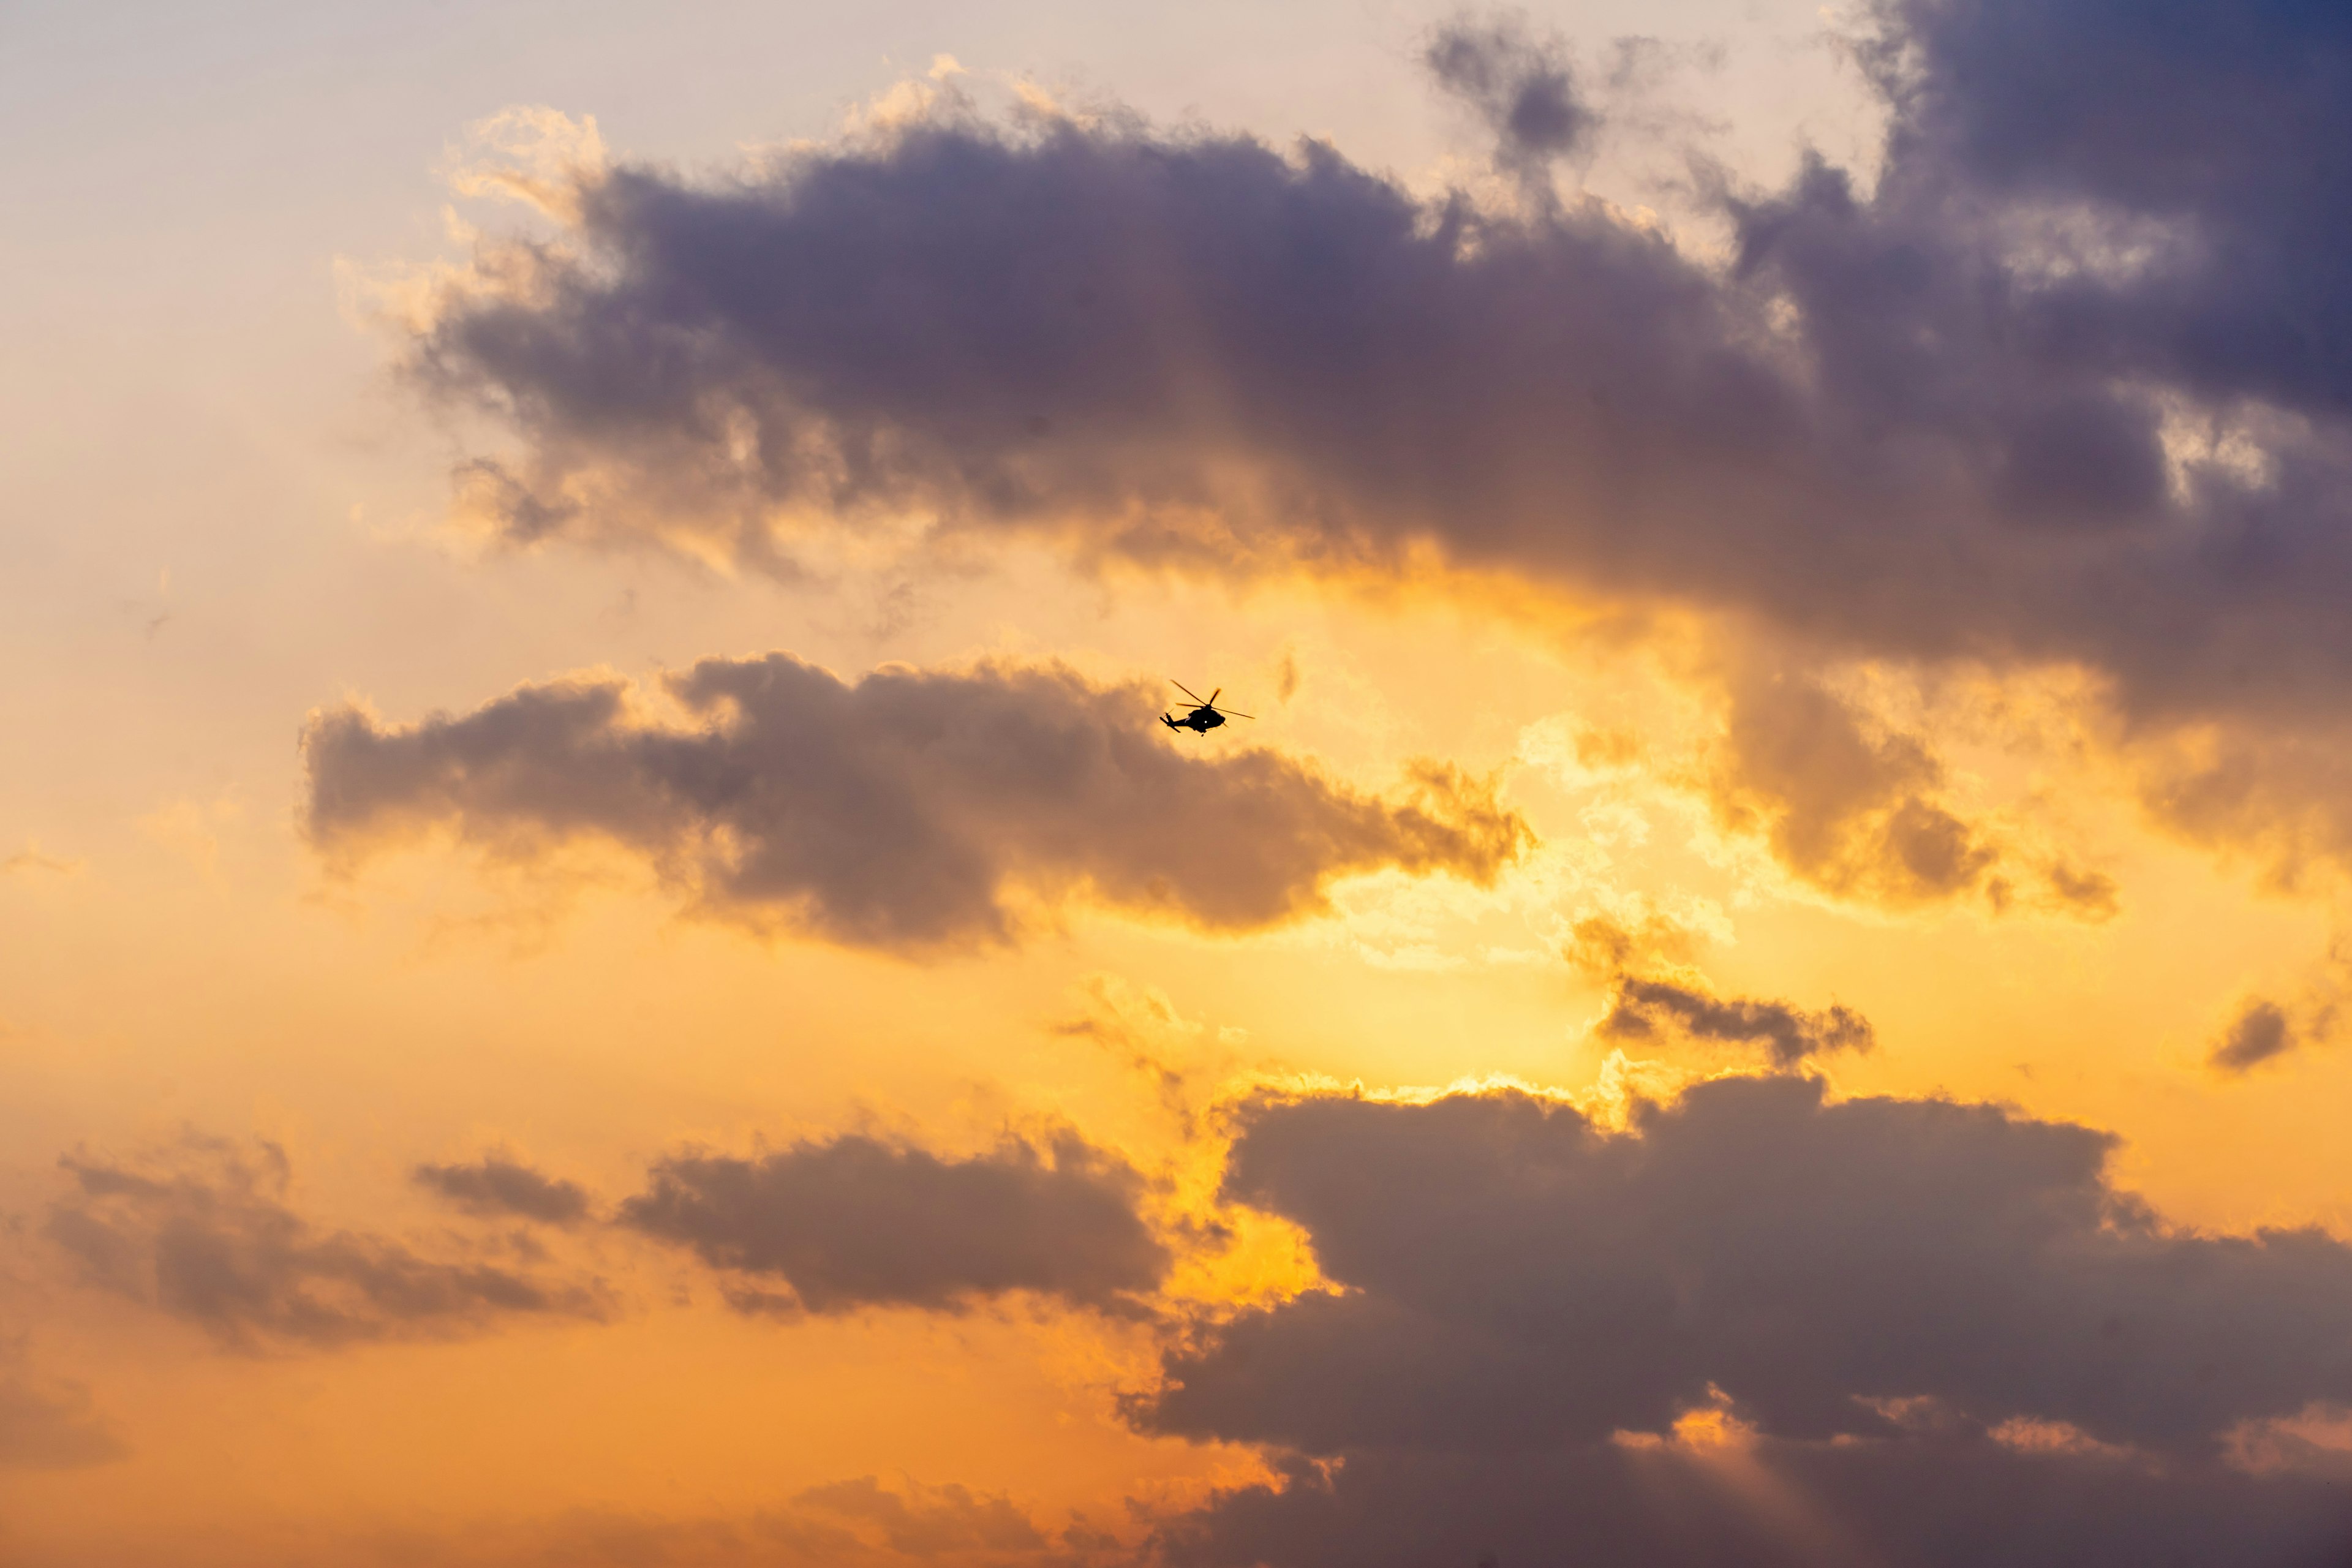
911, 811
1922, 423
2061, 388
203, 1232
855, 1222
1871, 1290
1754, 1325
1930, 1501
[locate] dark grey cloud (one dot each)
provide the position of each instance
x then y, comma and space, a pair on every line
1644, 1007
2065, 387
2260, 1032
1240, 357
1931, 1500
49, 1424
1234, 358
2267, 1029
855, 1222
2100, 226
905, 810
2211, 142
1655, 993
1880, 1289
495, 1184
204, 1233
1521, 87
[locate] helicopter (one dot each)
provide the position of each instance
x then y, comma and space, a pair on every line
1204, 716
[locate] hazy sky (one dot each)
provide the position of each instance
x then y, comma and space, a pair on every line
602, 957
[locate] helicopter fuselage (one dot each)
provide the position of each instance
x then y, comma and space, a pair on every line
1200, 720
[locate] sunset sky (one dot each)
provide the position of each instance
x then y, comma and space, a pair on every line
603, 958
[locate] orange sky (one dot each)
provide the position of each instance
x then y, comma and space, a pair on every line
224, 514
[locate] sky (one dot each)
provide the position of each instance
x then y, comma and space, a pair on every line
604, 959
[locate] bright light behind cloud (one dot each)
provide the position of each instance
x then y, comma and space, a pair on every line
602, 954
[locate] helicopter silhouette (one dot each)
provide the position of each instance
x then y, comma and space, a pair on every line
1205, 716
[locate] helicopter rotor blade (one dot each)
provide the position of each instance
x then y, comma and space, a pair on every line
1231, 714
1184, 688
1220, 692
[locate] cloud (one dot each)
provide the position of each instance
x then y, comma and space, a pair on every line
1844, 1296
2203, 155
855, 1223
2064, 388
203, 1232
495, 1184
528, 154
1645, 1006
1272, 360
911, 811
1186, 1067
46, 1423
2260, 1032
2266, 1029
1847, 811
1655, 992
1603, 947
1171, 347
2089, 893
1930, 1501
1522, 88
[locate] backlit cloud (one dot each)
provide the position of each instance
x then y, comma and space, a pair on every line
908, 811
1847, 811
2062, 388
1933, 1500
1839, 1298
1655, 993
853, 1222
1873, 486
1790, 1033
203, 1232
